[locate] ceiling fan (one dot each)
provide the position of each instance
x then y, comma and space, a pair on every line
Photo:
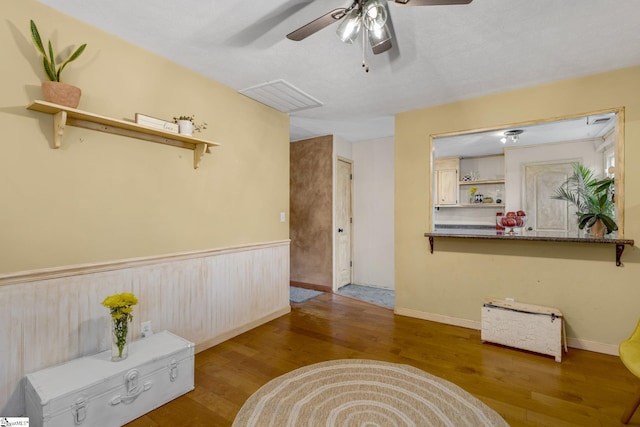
369, 16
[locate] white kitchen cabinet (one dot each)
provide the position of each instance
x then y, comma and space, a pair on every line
446, 181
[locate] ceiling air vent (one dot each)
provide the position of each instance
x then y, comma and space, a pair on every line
282, 96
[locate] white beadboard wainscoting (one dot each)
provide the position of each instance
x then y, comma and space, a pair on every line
51, 316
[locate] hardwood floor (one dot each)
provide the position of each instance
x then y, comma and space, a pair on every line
586, 389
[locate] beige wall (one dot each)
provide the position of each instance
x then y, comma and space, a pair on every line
601, 302
103, 197
312, 211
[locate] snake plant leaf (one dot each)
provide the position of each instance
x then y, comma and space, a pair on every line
52, 57
51, 73
73, 57
37, 41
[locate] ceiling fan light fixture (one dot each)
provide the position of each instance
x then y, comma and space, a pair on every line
380, 40
374, 15
350, 27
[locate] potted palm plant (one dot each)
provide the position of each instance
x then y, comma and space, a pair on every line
54, 90
593, 198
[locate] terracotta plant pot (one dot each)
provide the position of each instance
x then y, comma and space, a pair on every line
597, 230
61, 94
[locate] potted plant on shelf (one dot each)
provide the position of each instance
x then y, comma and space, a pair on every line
593, 199
54, 90
187, 125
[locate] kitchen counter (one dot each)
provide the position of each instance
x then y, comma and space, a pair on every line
523, 235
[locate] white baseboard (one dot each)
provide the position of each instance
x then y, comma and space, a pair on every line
596, 347
240, 330
455, 321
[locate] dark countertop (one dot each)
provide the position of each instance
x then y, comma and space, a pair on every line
474, 232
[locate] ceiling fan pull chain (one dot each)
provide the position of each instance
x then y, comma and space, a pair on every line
364, 50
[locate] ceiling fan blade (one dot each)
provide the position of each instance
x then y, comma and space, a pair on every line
258, 32
430, 2
317, 24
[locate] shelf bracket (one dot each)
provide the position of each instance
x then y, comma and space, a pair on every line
619, 251
59, 123
198, 152
431, 243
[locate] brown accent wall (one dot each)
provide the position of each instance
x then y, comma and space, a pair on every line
311, 195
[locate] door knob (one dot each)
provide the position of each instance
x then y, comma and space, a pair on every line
340, 230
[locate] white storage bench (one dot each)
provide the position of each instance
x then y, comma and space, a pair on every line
524, 326
94, 391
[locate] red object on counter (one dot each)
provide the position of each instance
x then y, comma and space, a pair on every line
499, 226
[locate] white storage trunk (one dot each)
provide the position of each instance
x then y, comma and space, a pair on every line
524, 326
94, 391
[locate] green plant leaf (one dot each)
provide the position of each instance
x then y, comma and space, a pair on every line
37, 41
73, 57
587, 220
609, 223
51, 73
48, 57
52, 59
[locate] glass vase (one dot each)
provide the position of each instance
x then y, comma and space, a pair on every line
119, 339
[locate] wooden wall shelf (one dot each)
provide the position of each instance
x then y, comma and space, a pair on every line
63, 116
472, 205
491, 235
482, 181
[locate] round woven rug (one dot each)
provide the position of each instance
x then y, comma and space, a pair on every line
367, 393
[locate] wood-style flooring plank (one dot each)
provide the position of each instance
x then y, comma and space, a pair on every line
527, 389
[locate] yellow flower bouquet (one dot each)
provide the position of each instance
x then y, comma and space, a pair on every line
472, 191
121, 308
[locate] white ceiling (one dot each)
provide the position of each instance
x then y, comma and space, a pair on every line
487, 143
441, 54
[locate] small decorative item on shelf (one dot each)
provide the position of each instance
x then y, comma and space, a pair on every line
187, 125
121, 309
53, 90
472, 192
152, 122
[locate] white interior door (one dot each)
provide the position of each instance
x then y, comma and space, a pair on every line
544, 213
343, 223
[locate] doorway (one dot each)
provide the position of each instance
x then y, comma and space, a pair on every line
545, 214
343, 223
